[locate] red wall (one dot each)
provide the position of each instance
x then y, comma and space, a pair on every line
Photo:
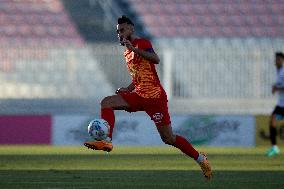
25, 129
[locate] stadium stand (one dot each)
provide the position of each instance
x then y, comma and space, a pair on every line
217, 55
96, 19
46, 66
90, 20
31, 23
217, 18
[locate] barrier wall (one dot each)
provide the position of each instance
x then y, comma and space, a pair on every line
140, 130
130, 129
227, 130
70, 129
25, 129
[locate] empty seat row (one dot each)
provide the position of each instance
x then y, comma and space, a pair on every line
217, 18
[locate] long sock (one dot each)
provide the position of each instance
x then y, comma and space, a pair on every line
108, 115
273, 133
182, 144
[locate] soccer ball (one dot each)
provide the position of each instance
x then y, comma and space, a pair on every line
98, 129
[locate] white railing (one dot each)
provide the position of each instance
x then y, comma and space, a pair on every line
199, 77
51, 73
220, 77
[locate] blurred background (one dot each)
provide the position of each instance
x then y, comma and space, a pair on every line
59, 58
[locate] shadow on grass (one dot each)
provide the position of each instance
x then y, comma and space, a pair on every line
84, 179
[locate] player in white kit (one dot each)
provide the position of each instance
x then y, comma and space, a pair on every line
278, 112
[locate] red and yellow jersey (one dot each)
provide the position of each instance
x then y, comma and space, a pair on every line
142, 71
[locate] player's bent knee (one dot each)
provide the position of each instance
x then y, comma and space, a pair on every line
168, 140
106, 102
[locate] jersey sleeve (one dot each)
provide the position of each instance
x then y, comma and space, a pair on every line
146, 45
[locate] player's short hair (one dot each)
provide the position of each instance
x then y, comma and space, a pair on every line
123, 19
279, 54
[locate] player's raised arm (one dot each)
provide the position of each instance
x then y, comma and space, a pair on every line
148, 54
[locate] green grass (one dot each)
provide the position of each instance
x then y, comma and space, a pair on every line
130, 167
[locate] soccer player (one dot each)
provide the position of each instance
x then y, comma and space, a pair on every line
145, 93
278, 112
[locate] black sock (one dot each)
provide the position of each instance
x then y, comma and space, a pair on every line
273, 133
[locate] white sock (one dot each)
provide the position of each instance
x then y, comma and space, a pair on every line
275, 147
108, 139
200, 158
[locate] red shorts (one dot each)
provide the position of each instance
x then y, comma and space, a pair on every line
156, 108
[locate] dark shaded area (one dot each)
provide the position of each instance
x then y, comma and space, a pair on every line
139, 179
89, 18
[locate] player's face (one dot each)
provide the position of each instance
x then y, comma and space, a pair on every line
279, 62
124, 31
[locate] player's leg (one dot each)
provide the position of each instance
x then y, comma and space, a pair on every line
272, 129
177, 141
108, 105
181, 143
274, 150
158, 111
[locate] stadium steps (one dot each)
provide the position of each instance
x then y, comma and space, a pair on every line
132, 13
89, 19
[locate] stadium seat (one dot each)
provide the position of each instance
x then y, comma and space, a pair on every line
42, 53
265, 18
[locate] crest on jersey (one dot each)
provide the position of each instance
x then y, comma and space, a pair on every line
157, 117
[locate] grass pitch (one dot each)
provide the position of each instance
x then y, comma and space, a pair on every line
46, 167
